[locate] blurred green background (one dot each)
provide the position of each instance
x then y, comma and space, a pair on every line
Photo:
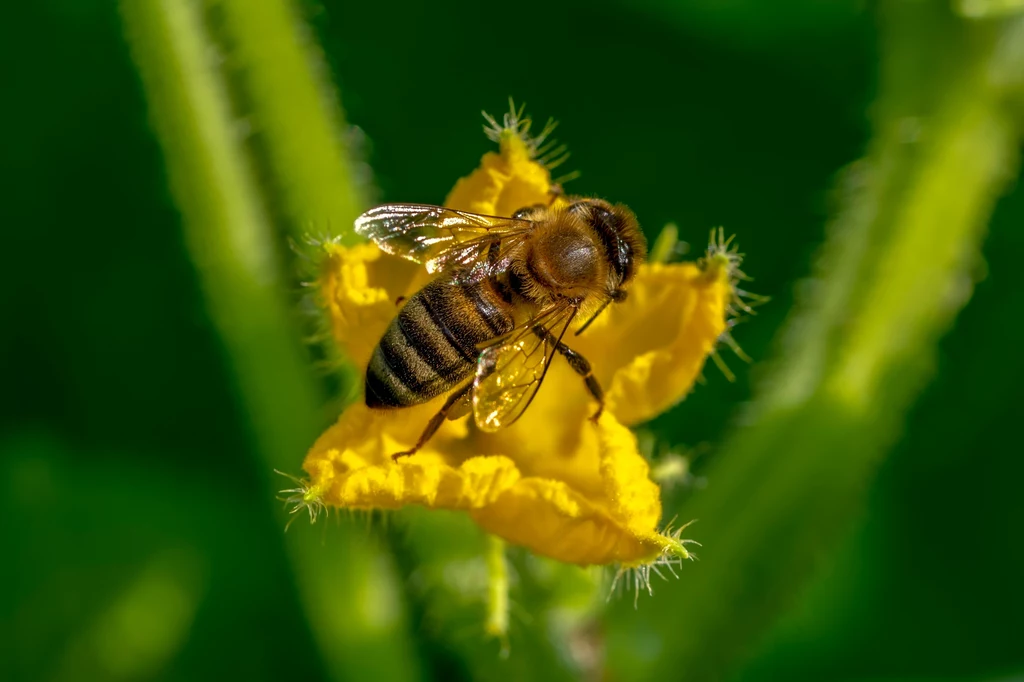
141, 540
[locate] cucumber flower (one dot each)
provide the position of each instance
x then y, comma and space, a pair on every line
556, 481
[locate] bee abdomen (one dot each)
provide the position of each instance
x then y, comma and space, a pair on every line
431, 345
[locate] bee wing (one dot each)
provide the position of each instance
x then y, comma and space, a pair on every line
509, 372
440, 238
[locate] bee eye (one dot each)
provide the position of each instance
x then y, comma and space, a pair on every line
608, 227
526, 212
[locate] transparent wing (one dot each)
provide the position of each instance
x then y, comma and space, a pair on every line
509, 372
441, 238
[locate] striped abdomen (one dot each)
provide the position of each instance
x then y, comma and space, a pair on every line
432, 344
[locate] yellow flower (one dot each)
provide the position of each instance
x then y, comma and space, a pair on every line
555, 481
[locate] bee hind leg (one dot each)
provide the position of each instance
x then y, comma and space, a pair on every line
461, 408
435, 422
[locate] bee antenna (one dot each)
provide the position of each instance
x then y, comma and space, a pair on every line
594, 316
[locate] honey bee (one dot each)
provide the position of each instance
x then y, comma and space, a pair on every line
486, 328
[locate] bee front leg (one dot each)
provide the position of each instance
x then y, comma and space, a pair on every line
435, 422
581, 366
555, 192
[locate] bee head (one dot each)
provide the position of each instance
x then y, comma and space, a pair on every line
623, 242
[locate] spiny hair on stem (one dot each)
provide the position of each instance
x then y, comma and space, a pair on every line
309, 498
672, 463
542, 147
638, 578
725, 252
326, 359
303, 497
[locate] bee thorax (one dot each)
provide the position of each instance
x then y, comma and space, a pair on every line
565, 263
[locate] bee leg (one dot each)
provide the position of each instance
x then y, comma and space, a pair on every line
581, 366
461, 408
493, 253
435, 422
554, 192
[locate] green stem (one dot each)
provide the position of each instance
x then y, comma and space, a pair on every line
347, 585
497, 591
463, 576
665, 244
895, 271
294, 114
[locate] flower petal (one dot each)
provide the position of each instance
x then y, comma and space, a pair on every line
350, 467
359, 287
504, 182
649, 350
558, 520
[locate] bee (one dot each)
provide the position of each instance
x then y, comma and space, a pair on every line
507, 290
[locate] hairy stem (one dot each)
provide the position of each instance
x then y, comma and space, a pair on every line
897, 267
293, 115
497, 591
347, 585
